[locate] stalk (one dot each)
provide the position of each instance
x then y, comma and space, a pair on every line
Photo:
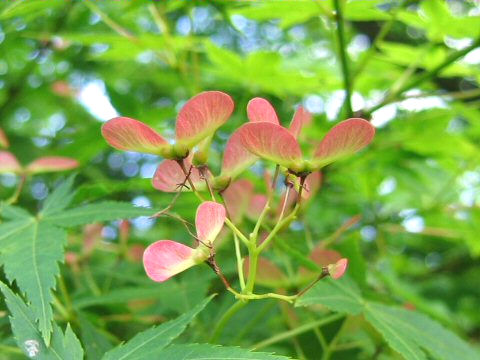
297, 331
343, 58
224, 320
427, 75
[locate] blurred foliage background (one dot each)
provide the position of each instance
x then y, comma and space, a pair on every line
411, 67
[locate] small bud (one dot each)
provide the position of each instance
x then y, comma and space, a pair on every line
180, 151
220, 183
337, 270
200, 158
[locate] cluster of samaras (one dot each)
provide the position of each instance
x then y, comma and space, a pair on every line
186, 162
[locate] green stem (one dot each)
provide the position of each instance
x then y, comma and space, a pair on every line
247, 292
66, 296
253, 323
456, 95
109, 279
264, 212
274, 180
278, 227
109, 21
291, 323
252, 267
217, 332
393, 92
162, 25
435, 71
321, 338
331, 347
297, 331
266, 208
238, 255
5, 349
308, 238
91, 281
428, 74
322, 275
237, 231
348, 346
284, 205
369, 53
287, 298
60, 308
343, 58
384, 30
253, 251
13, 199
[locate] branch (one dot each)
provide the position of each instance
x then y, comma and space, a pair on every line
427, 75
343, 58
297, 331
384, 30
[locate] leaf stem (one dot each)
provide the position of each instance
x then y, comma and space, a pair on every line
10, 349
427, 75
457, 95
91, 281
292, 321
275, 177
280, 224
14, 198
108, 21
61, 309
238, 255
162, 25
266, 208
252, 266
224, 320
323, 274
300, 190
237, 231
435, 71
297, 331
66, 296
204, 173
343, 58
321, 338
253, 322
255, 251
284, 205
287, 298
331, 346
384, 30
